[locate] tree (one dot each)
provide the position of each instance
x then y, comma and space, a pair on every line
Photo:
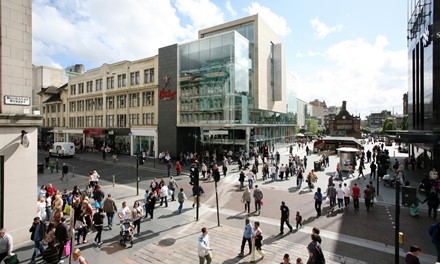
405, 122
312, 126
388, 124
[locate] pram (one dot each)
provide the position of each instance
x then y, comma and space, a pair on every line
126, 233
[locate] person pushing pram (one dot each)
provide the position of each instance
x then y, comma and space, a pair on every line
127, 228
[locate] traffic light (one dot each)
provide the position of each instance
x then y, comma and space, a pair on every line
194, 176
266, 152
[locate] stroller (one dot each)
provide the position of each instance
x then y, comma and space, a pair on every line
126, 233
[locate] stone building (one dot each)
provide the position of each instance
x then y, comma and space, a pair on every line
344, 124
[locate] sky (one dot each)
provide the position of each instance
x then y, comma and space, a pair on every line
336, 50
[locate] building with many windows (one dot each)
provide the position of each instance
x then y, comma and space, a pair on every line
18, 124
114, 105
344, 124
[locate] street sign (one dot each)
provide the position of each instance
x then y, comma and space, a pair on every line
17, 100
217, 132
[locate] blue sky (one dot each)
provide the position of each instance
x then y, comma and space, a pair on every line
337, 50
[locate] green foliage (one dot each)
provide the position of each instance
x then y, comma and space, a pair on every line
388, 124
312, 126
405, 122
365, 130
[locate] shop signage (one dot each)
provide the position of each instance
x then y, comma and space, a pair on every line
165, 94
17, 100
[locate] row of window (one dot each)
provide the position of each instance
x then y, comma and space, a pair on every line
121, 78
111, 102
110, 120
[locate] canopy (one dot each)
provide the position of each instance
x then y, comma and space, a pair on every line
346, 149
300, 135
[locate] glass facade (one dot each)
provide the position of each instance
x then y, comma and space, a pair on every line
215, 74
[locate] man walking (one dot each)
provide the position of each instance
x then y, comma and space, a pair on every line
284, 218
258, 196
110, 208
38, 232
6, 244
355, 192
204, 247
247, 237
172, 185
181, 197
62, 236
346, 195
64, 172
340, 196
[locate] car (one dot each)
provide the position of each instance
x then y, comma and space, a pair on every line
62, 149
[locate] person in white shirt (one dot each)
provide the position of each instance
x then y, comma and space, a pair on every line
346, 195
204, 248
124, 212
250, 177
164, 195
340, 196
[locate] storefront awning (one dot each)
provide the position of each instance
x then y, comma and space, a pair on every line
94, 131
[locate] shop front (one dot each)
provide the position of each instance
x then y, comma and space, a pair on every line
144, 140
95, 139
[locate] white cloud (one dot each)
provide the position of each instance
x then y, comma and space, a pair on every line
203, 13
309, 53
230, 9
322, 30
103, 31
367, 75
277, 23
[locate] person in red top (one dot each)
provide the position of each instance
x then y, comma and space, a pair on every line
51, 190
356, 192
178, 168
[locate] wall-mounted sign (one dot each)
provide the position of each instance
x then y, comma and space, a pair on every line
164, 94
17, 100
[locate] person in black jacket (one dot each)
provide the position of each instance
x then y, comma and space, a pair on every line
62, 235
284, 217
433, 203
98, 222
38, 230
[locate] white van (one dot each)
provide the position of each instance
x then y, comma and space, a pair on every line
62, 149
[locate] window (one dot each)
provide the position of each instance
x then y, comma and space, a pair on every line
89, 121
80, 88
73, 89
43, 109
98, 121
80, 121
58, 108
134, 78
122, 78
80, 105
64, 121
149, 75
148, 98
110, 82
89, 86
64, 107
121, 101
98, 84
110, 102
133, 100
72, 121
53, 122
134, 119
72, 106
89, 104
148, 119
98, 103
121, 120
53, 108
110, 120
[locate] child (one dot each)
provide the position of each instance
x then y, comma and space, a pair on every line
298, 220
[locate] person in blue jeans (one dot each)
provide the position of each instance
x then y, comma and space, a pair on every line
247, 237
38, 230
318, 201
181, 197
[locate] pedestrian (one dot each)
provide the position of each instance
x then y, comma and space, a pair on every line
247, 237
434, 234
318, 201
164, 195
315, 252
412, 257
331, 193
6, 244
361, 171
77, 258
110, 208
299, 179
298, 219
246, 199
204, 248
64, 172
340, 196
257, 238
204, 170
299, 261
172, 185
373, 168
250, 177
151, 204
346, 195
124, 212
273, 172
433, 203
368, 197
98, 196
94, 179
181, 197
286, 259
98, 223
258, 197
284, 217
373, 192
178, 168
81, 230
356, 192
38, 233
241, 178
153, 185
136, 214
225, 168
62, 235
50, 254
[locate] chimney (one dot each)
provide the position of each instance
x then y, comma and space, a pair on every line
344, 105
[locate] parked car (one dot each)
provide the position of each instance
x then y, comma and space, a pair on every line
62, 149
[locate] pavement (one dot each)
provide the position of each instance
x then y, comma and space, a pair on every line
348, 237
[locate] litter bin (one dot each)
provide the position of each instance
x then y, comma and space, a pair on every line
40, 167
317, 166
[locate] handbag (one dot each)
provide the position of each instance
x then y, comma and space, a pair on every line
12, 259
97, 205
66, 209
261, 202
67, 248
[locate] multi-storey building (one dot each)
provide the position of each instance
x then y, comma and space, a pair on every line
114, 105
329, 113
424, 83
318, 111
18, 125
344, 124
376, 119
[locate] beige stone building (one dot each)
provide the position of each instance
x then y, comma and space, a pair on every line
114, 105
17, 182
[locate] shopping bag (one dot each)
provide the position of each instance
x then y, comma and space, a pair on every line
97, 205
66, 209
12, 259
261, 202
67, 248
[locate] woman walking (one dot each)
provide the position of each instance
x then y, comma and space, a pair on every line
246, 199
257, 237
136, 215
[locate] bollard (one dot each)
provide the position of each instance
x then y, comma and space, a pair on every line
113, 180
73, 171
401, 238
